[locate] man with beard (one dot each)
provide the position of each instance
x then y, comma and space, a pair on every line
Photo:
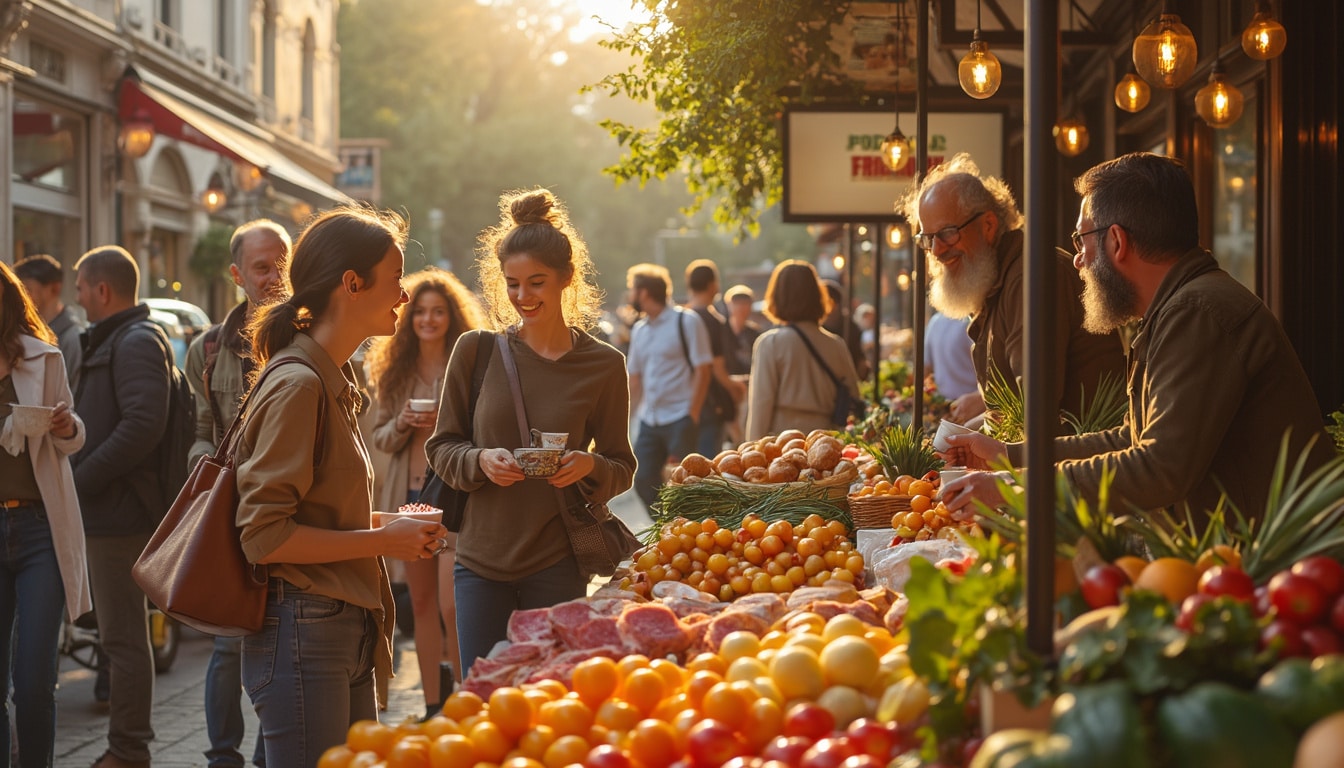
1214, 384
973, 230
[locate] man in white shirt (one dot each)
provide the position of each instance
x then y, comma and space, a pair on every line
669, 365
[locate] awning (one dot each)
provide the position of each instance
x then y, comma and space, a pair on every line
174, 118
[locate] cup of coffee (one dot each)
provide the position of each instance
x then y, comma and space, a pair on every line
549, 440
30, 420
425, 515
946, 429
424, 404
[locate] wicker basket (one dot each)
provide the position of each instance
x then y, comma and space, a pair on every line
875, 511
835, 486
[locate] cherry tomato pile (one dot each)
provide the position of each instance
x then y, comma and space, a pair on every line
759, 557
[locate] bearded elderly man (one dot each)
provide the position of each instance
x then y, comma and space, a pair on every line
972, 229
1214, 384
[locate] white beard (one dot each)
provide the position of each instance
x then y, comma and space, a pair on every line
963, 295
1108, 300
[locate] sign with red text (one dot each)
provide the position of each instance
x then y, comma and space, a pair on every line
833, 169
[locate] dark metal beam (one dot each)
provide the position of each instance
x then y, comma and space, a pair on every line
919, 263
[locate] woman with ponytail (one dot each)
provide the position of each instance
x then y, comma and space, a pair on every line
305, 490
513, 552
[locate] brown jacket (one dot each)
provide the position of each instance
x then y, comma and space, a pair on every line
1213, 385
998, 333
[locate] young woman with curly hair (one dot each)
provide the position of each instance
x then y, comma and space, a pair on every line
513, 552
410, 365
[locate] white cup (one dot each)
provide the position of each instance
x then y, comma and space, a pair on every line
423, 405
30, 420
951, 473
381, 519
946, 429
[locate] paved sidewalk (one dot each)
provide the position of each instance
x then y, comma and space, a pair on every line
179, 695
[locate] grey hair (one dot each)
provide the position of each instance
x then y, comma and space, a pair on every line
973, 192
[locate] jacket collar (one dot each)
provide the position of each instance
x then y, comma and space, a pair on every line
34, 347
1009, 253
231, 331
1194, 263
339, 380
103, 329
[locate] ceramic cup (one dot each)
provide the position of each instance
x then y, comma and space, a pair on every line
549, 439
538, 462
30, 420
424, 405
946, 429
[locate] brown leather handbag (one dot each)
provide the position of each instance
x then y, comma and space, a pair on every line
193, 567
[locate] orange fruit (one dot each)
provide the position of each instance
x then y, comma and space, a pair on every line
653, 743
410, 752
796, 671
451, 750
617, 715
511, 711
643, 688
366, 759
1131, 565
595, 680
1219, 554
536, 740
566, 750
337, 757
568, 717
488, 742
461, 705
1172, 577
370, 736
850, 661
726, 704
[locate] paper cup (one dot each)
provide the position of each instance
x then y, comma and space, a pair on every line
946, 429
424, 405
950, 474
30, 420
381, 519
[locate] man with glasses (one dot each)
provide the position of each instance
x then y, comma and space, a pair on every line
972, 230
1214, 384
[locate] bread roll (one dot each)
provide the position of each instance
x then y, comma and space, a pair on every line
824, 453
732, 464
788, 435
797, 443
782, 471
795, 456
755, 474
754, 458
697, 465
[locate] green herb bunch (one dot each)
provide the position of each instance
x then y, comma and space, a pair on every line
905, 451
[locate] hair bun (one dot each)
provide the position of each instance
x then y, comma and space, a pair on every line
536, 207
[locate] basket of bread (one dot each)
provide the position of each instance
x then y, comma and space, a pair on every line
817, 458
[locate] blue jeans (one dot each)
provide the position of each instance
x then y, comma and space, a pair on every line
653, 447
30, 587
223, 707
309, 673
484, 605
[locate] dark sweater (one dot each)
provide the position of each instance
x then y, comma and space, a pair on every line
515, 531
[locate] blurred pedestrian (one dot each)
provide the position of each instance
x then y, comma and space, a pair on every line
44, 278
405, 367
741, 302
720, 406
306, 492
514, 551
840, 322
794, 367
947, 351
670, 366
219, 367
42, 571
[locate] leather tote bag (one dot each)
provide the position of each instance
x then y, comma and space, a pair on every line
193, 567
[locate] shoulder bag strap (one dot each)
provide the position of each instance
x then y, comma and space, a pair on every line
681, 331
519, 407
478, 376
225, 450
834, 379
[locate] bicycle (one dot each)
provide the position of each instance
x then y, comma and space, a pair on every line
79, 640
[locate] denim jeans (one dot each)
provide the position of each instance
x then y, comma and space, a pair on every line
223, 707
653, 446
123, 631
309, 673
484, 605
30, 587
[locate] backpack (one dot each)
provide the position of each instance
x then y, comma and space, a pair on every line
179, 432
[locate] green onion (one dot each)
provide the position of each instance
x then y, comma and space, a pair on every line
730, 503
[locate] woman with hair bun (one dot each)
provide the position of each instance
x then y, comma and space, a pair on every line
305, 495
513, 552
410, 365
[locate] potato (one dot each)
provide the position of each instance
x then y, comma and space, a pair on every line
697, 465
754, 458
678, 476
782, 471
797, 443
732, 464
755, 474
796, 457
788, 435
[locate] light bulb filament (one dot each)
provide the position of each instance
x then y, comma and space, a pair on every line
1166, 55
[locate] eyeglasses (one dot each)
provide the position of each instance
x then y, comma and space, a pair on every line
948, 236
1078, 237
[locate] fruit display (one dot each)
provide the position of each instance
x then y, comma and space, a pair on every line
788, 457
758, 557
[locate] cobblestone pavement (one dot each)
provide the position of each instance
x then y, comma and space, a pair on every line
179, 695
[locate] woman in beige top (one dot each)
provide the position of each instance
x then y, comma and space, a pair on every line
305, 490
405, 367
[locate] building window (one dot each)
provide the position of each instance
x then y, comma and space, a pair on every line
46, 146
224, 29
167, 13
268, 51
309, 54
1234, 195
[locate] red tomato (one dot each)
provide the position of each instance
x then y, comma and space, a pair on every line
872, 737
1321, 640
787, 749
1296, 598
1337, 614
1227, 580
1286, 635
1262, 603
808, 719
606, 756
1190, 608
711, 743
970, 749
1102, 585
828, 753
744, 762
850, 452
1327, 572
863, 761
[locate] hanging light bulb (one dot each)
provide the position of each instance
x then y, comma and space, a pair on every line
1219, 103
1071, 136
895, 235
1165, 52
246, 175
1132, 93
214, 197
896, 149
136, 135
1264, 38
979, 71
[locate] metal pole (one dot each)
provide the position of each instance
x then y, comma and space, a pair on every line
1042, 38
921, 169
875, 359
